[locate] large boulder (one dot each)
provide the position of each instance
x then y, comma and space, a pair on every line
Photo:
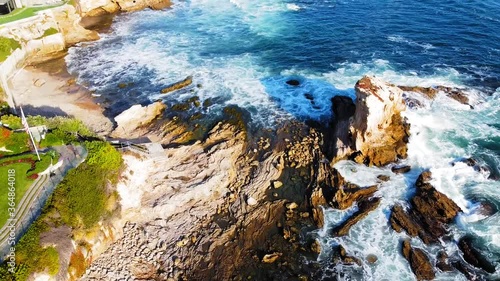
419, 262
136, 117
429, 214
375, 133
379, 131
364, 208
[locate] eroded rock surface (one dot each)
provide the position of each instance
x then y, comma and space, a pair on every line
378, 133
133, 122
90, 8
429, 214
419, 262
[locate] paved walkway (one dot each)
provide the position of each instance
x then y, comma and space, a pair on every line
30, 206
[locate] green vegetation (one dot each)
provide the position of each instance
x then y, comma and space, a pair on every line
12, 143
12, 121
50, 31
25, 176
81, 197
79, 201
7, 46
23, 13
62, 130
30, 256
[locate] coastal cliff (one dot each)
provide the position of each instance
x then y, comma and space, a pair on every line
91, 8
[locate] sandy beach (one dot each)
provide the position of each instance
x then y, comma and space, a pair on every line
48, 89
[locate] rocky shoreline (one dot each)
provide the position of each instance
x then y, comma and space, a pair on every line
223, 202
257, 226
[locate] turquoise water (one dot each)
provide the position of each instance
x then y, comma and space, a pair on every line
242, 52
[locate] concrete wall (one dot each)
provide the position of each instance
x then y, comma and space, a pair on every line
29, 32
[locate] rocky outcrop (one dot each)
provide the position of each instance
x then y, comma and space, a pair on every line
131, 121
330, 188
431, 92
340, 255
364, 208
69, 25
473, 256
339, 134
90, 8
178, 85
419, 262
378, 133
429, 214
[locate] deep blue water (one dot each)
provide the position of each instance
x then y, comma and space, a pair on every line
242, 52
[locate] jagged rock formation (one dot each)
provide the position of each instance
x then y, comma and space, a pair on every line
90, 8
69, 25
473, 256
330, 188
431, 92
419, 262
130, 122
203, 210
178, 85
365, 207
429, 214
378, 133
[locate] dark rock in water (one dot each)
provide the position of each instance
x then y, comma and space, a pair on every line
429, 213
365, 207
401, 169
413, 103
442, 262
401, 220
419, 262
309, 96
431, 93
341, 252
473, 256
458, 96
487, 209
293, 82
383, 177
371, 258
427, 92
332, 189
465, 270
471, 162
432, 204
178, 85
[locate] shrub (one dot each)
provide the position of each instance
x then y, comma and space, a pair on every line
77, 262
50, 31
81, 197
12, 121
7, 46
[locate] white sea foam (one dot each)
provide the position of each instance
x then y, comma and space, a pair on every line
293, 7
401, 39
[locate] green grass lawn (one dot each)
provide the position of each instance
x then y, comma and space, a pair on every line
23, 13
22, 180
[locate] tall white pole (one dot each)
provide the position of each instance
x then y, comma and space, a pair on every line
27, 128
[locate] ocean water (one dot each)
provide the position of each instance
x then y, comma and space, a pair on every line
242, 52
